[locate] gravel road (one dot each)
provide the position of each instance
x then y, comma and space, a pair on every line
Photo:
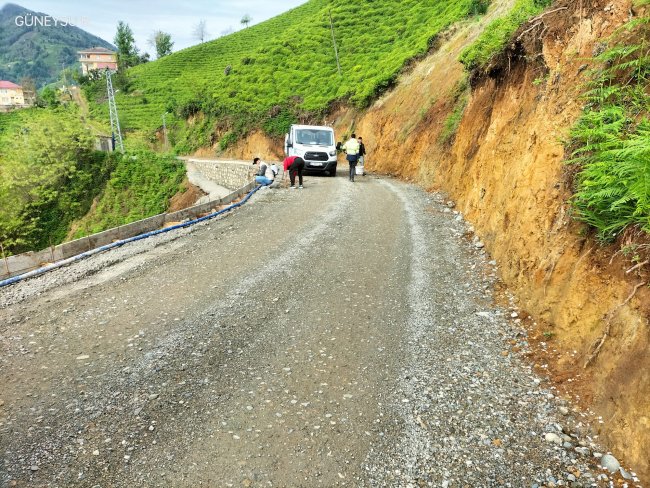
340, 335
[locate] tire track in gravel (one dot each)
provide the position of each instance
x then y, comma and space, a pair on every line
307, 404
108, 387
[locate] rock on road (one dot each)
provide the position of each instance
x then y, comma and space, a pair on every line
340, 335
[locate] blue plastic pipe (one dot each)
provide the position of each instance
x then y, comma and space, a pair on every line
112, 245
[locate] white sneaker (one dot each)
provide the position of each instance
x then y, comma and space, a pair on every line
300, 187
292, 187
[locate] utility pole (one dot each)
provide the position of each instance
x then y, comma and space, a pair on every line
165, 131
336, 51
112, 111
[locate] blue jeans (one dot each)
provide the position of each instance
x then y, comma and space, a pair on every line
263, 180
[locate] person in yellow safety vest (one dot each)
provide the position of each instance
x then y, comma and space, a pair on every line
351, 149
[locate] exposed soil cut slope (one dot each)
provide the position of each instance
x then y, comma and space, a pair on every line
506, 169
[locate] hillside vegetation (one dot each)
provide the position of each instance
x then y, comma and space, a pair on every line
611, 141
50, 175
140, 185
283, 69
39, 52
498, 34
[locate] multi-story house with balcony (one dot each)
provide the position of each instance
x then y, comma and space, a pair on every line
97, 58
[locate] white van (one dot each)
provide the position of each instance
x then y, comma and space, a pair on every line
315, 144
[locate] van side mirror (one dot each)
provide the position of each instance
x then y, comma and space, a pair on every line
338, 146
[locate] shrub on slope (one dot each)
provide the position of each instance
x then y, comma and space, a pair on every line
611, 141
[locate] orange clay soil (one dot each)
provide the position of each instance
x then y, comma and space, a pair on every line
506, 170
185, 198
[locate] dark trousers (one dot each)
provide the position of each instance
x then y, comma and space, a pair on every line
353, 166
296, 169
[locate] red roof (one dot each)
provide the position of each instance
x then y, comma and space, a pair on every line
8, 84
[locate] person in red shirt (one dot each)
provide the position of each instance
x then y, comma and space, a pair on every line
294, 165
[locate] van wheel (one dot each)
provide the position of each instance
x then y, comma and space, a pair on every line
333, 171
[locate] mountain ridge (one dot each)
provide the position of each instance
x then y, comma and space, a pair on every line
39, 52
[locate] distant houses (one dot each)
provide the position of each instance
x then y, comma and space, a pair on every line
11, 96
97, 58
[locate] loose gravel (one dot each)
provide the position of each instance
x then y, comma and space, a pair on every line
342, 335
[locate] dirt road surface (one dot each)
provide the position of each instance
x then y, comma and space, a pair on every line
340, 335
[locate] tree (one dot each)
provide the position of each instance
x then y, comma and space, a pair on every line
200, 32
44, 174
245, 20
48, 97
162, 42
127, 52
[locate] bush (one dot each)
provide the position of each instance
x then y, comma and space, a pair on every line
497, 34
227, 140
479, 7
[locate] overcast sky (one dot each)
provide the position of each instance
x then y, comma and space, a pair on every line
100, 17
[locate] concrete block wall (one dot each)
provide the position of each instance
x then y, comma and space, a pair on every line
22, 263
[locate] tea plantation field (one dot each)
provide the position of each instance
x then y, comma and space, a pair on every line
274, 72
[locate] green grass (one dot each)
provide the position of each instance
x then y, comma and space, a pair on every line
452, 122
610, 143
140, 186
498, 33
284, 69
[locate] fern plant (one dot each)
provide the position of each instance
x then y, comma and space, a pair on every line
611, 140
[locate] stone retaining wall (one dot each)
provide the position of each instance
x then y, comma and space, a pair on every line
231, 174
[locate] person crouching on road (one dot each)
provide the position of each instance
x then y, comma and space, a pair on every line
294, 165
265, 174
351, 149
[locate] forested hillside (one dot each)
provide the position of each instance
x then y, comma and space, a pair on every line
38, 52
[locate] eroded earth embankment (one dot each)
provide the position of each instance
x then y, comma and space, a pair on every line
506, 169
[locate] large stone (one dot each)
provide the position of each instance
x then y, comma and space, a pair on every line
610, 463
